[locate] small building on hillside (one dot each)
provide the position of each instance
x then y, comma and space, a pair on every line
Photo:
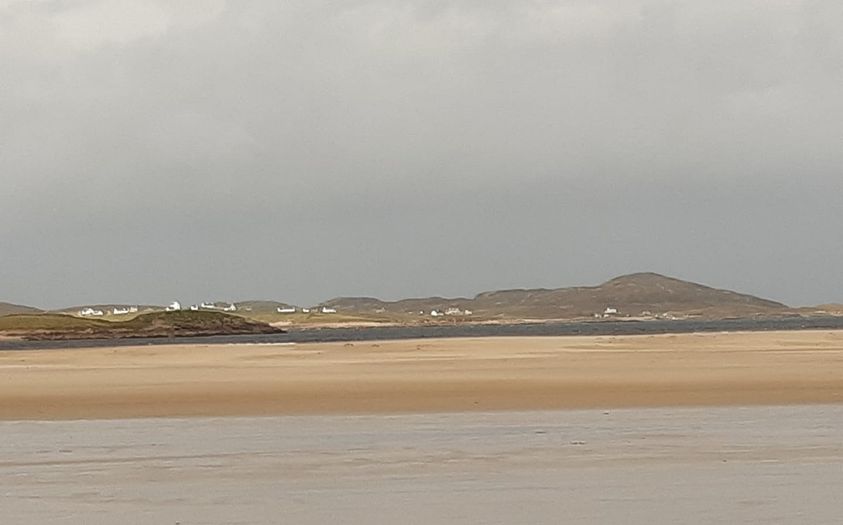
213, 306
328, 310
175, 306
286, 310
610, 311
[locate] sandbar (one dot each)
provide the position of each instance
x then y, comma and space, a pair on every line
428, 375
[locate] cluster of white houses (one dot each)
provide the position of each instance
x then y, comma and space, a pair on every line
611, 311
448, 311
93, 312
293, 309
175, 306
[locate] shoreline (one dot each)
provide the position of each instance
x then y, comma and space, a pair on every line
405, 332
424, 376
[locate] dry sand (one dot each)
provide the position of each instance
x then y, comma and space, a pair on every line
485, 374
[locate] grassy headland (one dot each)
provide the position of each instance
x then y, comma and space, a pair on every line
155, 324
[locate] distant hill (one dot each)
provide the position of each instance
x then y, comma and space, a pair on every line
635, 295
259, 307
12, 309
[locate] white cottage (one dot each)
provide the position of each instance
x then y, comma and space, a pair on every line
175, 306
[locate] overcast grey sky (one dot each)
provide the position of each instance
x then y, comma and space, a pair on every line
300, 150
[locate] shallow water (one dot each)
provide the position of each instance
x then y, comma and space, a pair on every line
691, 465
380, 333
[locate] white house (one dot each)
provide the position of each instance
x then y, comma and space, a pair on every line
212, 306
305, 310
610, 311
194, 308
453, 311
286, 310
119, 311
175, 306
467, 312
436, 313
326, 310
91, 312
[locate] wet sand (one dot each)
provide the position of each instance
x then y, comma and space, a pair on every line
726, 465
484, 374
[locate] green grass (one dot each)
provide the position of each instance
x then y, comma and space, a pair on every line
25, 322
317, 317
69, 323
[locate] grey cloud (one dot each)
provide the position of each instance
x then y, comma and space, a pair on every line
301, 150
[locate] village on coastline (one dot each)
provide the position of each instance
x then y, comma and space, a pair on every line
176, 306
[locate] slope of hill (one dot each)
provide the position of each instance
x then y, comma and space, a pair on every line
12, 309
258, 308
829, 309
23, 323
639, 294
107, 309
155, 324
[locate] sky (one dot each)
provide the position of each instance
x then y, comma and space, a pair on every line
301, 150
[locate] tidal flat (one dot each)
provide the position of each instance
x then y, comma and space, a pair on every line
652, 465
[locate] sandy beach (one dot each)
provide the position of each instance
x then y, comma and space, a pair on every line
428, 431
484, 374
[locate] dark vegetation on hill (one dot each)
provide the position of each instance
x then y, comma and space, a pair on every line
156, 324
